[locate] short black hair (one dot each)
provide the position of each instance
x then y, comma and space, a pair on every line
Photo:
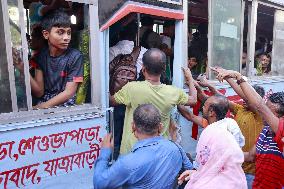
278, 98
260, 90
154, 60
147, 119
220, 106
56, 18
129, 32
147, 21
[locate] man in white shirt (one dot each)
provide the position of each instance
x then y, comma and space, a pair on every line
126, 45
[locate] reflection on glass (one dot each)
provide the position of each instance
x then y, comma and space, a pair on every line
226, 36
5, 100
278, 44
17, 54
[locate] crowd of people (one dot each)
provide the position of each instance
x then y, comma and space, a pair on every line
246, 151
241, 145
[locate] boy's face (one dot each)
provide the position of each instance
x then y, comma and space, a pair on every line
58, 37
192, 62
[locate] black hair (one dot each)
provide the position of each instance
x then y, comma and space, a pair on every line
37, 32
147, 119
220, 106
260, 90
278, 98
129, 32
147, 21
154, 60
55, 18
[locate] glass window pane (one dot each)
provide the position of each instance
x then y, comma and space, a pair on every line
17, 53
5, 100
278, 44
226, 33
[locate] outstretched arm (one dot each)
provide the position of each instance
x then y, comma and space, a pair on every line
192, 99
190, 116
253, 98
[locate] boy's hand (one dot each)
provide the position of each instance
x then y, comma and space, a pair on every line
17, 61
187, 73
108, 141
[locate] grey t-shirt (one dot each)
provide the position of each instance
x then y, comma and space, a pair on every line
57, 71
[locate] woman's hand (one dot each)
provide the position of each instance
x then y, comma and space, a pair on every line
185, 176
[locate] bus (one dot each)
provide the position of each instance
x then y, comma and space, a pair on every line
57, 147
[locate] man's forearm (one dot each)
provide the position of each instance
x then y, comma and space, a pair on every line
192, 100
236, 88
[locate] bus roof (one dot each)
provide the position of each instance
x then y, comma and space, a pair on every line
110, 11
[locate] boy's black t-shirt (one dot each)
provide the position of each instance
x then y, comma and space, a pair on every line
57, 71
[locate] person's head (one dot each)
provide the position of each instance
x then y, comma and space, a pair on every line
37, 41
56, 29
260, 90
147, 21
129, 32
264, 61
146, 120
192, 61
203, 28
154, 62
169, 28
215, 108
275, 103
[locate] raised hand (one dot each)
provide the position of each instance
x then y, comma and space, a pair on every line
107, 141
187, 74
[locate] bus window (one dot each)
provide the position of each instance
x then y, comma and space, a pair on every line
14, 20
24, 48
278, 44
79, 16
225, 34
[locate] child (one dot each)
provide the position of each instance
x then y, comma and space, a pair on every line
60, 68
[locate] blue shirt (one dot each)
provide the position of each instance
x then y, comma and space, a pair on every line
152, 163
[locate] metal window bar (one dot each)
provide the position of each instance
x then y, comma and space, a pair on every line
252, 13
9, 55
25, 54
242, 33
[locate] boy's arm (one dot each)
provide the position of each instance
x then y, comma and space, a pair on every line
192, 99
69, 92
37, 84
190, 116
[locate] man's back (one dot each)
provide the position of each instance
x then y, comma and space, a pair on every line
153, 164
163, 97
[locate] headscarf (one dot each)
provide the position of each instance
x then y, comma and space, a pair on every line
220, 159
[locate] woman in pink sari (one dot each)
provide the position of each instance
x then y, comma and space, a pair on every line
219, 160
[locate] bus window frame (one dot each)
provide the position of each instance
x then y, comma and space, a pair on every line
253, 8
97, 102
